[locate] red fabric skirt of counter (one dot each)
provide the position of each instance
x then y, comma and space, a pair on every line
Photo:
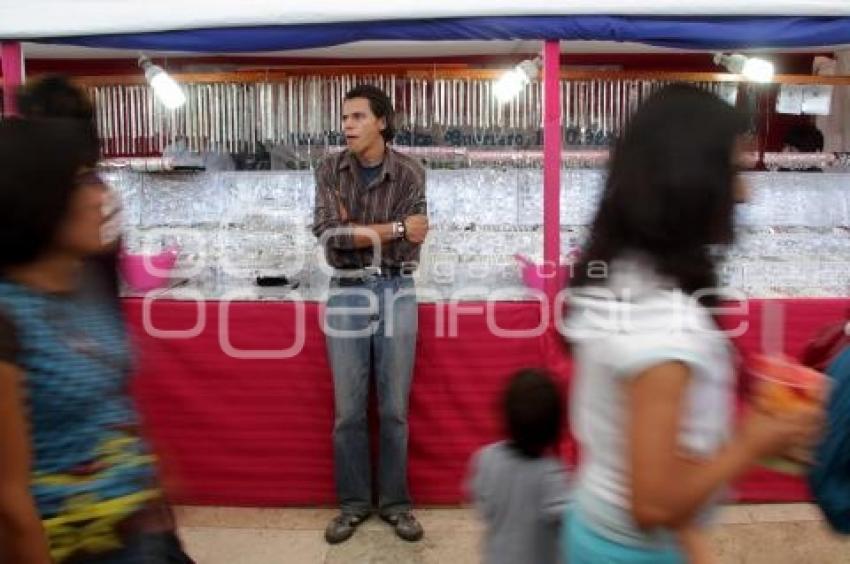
237, 397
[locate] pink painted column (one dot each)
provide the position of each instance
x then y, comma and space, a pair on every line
12, 60
551, 166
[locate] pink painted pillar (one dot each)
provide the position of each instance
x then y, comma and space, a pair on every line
12, 61
551, 166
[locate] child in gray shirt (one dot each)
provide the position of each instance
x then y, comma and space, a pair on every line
518, 487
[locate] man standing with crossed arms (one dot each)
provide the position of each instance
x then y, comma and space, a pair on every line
370, 215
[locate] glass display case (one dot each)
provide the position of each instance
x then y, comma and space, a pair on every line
232, 227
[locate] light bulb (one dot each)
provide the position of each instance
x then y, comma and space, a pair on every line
167, 90
751, 68
758, 70
509, 85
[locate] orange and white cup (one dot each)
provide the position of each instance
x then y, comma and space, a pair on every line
781, 386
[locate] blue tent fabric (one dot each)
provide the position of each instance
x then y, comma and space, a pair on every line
676, 32
829, 478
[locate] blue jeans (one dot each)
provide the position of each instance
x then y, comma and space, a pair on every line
380, 338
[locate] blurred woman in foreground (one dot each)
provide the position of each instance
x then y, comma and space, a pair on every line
77, 482
654, 389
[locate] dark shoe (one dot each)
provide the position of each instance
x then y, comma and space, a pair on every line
342, 527
405, 525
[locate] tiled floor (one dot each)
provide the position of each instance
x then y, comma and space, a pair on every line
747, 534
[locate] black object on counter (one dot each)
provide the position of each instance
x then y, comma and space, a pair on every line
272, 281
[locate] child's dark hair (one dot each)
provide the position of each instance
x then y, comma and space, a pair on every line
379, 103
534, 412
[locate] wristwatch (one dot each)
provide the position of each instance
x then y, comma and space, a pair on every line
399, 231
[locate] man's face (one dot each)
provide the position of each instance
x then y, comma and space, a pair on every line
362, 129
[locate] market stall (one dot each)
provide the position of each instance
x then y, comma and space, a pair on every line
233, 380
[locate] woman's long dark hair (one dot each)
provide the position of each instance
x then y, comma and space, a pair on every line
39, 163
670, 188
